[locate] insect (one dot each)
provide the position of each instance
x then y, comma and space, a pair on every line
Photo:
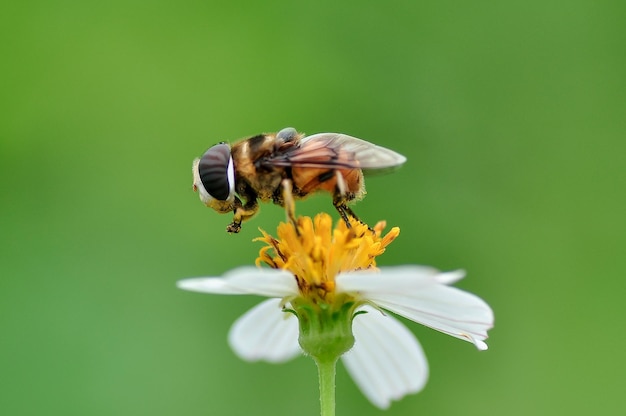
234, 178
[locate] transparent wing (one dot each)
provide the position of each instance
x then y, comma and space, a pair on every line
334, 150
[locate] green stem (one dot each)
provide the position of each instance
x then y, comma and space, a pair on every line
326, 371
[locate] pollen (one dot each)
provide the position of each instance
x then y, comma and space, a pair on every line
315, 252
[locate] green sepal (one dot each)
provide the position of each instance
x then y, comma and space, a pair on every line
325, 329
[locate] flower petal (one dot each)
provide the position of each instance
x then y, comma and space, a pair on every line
266, 333
386, 361
245, 280
421, 295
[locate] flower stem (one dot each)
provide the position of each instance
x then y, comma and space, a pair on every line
326, 371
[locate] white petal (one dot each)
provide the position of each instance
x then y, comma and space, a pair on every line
245, 280
448, 278
420, 295
386, 361
266, 333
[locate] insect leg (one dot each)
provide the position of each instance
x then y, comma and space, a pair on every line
344, 211
340, 200
242, 213
289, 204
351, 213
341, 184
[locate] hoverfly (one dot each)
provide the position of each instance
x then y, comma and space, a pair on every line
253, 169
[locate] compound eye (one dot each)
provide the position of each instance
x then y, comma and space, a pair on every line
215, 169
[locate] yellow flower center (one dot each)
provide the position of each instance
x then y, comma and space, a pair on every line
316, 253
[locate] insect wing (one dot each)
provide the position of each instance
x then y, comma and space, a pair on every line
334, 150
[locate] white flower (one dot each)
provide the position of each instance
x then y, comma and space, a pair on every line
328, 296
386, 362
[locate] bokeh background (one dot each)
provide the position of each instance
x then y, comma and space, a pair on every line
512, 116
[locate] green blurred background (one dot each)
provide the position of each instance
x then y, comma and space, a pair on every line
512, 116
